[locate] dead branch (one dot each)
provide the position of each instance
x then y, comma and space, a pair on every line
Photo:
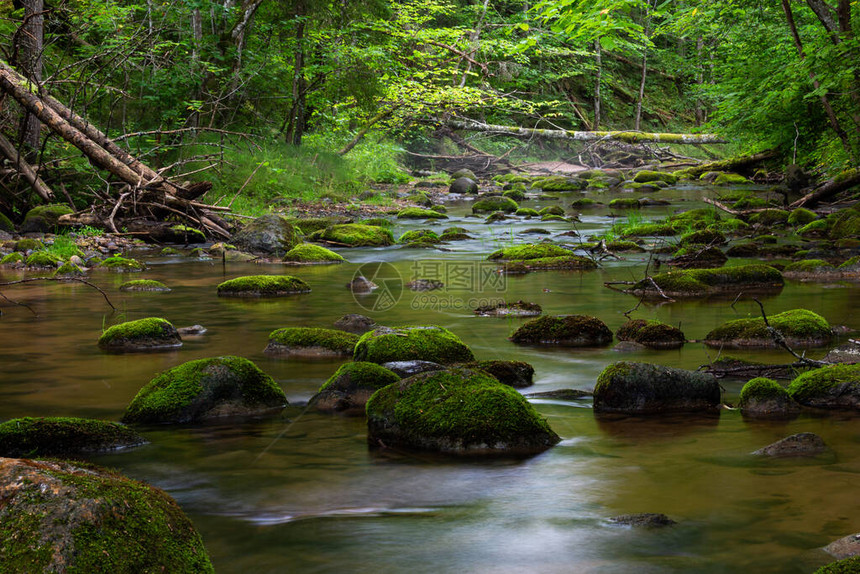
780, 341
56, 279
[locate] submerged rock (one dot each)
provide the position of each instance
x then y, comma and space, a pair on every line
145, 285
763, 397
643, 520
405, 369
799, 328
311, 342
565, 331
424, 343
847, 353
516, 374
801, 444
833, 387
263, 286
61, 516
206, 389
518, 308
361, 284
424, 284
270, 234
643, 388
149, 334
845, 547
63, 436
355, 323
456, 411
347, 391
652, 334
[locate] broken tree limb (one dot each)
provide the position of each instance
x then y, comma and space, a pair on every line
731, 164
841, 182
625, 136
25, 170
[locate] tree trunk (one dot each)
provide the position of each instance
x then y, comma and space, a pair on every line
700, 80
731, 164
629, 137
599, 65
473, 38
29, 44
25, 169
843, 181
197, 33
296, 126
641, 89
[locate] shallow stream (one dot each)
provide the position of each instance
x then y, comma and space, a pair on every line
303, 493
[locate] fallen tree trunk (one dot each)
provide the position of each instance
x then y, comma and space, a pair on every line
731, 164
625, 136
25, 170
841, 182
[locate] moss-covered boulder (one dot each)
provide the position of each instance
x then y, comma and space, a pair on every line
62, 516
311, 342
727, 178
516, 374
561, 263
515, 194
463, 185
119, 264
702, 237
763, 397
698, 257
43, 260
149, 334
517, 308
831, 387
419, 238
63, 437
6, 224
493, 204
28, 244
44, 218
419, 213
14, 258
271, 234
845, 566
551, 210
455, 234
647, 176
464, 172
560, 183
531, 251
770, 217
263, 286
347, 391
799, 327
149, 285
565, 331
845, 224
424, 343
354, 235
643, 388
652, 334
206, 389
701, 282
310, 254
526, 212
458, 411
801, 216
810, 269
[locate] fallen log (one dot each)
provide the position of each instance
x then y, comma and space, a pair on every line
625, 136
731, 164
841, 182
25, 170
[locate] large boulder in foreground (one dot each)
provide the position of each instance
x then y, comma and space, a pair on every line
64, 436
833, 387
149, 334
457, 411
564, 331
423, 343
311, 342
727, 281
270, 234
799, 328
65, 517
643, 388
204, 390
263, 286
348, 390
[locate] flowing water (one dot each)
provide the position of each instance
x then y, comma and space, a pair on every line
303, 493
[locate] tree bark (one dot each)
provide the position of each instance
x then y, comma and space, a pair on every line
732, 164
296, 126
700, 80
597, 80
29, 44
363, 131
25, 169
641, 90
843, 181
629, 137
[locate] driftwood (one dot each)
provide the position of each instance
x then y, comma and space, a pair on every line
25, 170
732, 164
625, 136
844, 181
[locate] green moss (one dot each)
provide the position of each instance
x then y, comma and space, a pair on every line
853, 262
355, 235
551, 210
263, 286
624, 246
817, 227
801, 216
552, 218
44, 217
458, 410
702, 281
167, 251
766, 239
144, 285
649, 229
62, 436
122, 264
727, 178
360, 375
310, 253
770, 217
68, 270
493, 204
568, 330
514, 194
761, 389
305, 337
845, 224
560, 183
651, 333
14, 257
644, 388
731, 225
531, 251
702, 237
155, 330
647, 176
192, 235
6, 224
813, 386
558, 263
418, 213
79, 518
527, 212
799, 325
850, 565
625, 203
28, 244
42, 259
750, 202
424, 343
198, 390
809, 266
424, 236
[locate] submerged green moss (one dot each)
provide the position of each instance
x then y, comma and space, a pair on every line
263, 286
144, 285
424, 343
303, 337
310, 253
63, 436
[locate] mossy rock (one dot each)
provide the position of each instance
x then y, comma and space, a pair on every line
43, 259
514, 194
463, 185
703, 237
496, 217
750, 202
67, 270
551, 210
419, 213
650, 229
647, 176
206, 389
850, 265
530, 251
145, 285
564, 331
722, 280
263, 286
625, 203
455, 234
643, 388
463, 172
149, 334
817, 228
629, 246
809, 268
652, 334
311, 342
43, 219
516, 374
584, 202
845, 224
12, 258
167, 251
727, 178
799, 327
6, 224
308, 253
271, 234
28, 244
457, 411
559, 263
554, 218
122, 265
526, 212
60, 516
424, 343
493, 204
763, 397
801, 216
731, 225
698, 257
423, 236
845, 566
767, 239
770, 217
348, 390
518, 308
355, 235
560, 183
63, 437
831, 387
186, 234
